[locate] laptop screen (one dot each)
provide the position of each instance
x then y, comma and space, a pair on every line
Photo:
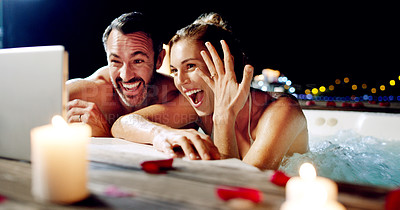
32, 87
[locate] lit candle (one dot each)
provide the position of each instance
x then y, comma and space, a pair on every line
59, 163
311, 192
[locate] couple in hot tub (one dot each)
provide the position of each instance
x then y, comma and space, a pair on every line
128, 99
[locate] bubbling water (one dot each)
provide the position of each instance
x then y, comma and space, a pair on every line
350, 157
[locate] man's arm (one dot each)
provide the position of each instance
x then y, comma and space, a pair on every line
141, 126
85, 102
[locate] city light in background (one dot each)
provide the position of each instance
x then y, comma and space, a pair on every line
339, 89
319, 73
273, 81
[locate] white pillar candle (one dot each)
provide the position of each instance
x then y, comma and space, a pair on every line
311, 192
59, 162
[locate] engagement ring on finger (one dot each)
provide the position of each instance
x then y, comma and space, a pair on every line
212, 76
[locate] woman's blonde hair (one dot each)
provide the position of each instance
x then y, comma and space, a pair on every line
210, 27
212, 19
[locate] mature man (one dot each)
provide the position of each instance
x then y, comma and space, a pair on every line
129, 82
129, 86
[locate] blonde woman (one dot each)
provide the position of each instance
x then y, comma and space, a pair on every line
244, 123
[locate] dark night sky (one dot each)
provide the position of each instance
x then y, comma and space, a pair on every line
309, 43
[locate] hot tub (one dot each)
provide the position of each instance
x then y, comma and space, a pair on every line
351, 146
329, 122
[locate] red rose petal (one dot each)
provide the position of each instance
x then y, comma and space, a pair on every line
310, 103
2, 198
151, 168
279, 178
345, 104
331, 104
157, 166
358, 105
229, 192
393, 200
387, 104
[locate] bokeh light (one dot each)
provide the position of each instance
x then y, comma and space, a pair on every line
364, 86
322, 89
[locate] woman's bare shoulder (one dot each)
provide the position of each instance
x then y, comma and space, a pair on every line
260, 98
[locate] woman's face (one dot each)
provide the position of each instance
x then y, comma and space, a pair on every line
185, 58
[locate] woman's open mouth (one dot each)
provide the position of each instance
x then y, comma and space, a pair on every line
196, 96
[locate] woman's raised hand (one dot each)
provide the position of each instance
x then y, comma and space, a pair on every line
228, 94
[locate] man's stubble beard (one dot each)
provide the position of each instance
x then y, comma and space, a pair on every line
141, 98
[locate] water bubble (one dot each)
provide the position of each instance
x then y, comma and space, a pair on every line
350, 157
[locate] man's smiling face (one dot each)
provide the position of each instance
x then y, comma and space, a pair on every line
131, 63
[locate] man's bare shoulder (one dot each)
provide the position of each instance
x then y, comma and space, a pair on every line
98, 81
165, 87
101, 75
164, 78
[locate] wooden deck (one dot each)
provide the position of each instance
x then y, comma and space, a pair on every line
190, 186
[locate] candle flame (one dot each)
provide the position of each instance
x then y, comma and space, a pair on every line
59, 122
307, 171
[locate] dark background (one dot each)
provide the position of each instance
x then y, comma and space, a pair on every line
311, 43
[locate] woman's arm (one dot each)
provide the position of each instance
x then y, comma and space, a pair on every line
281, 130
224, 134
157, 125
229, 97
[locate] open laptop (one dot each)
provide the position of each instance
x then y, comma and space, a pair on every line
32, 90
